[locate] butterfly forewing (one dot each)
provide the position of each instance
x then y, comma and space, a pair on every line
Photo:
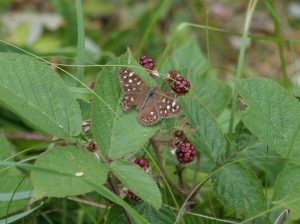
131, 82
135, 89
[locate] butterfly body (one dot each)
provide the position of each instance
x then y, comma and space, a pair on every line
152, 103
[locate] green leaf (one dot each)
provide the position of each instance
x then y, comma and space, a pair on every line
15, 188
292, 201
154, 216
286, 187
205, 86
286, 181
66, 171
117, 133
272, 114
138, 181
18, 216
239, 190
38, 95
208, 134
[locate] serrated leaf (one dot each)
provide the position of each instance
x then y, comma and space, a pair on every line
117, 133
138, 181
15, 188
208, 135
292, 201
38, 95
286, 181
272, 114
239, 190
65, 171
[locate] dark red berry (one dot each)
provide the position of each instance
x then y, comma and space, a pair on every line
142, 162
131, 196
181, 86
147, 62
186, 152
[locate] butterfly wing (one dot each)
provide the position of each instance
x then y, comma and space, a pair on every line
149, 114
159, 106
166, 105
135, 89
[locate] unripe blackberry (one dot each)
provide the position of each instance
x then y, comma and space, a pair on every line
147, 62
185, 153
142, 162
131, 196
181, 85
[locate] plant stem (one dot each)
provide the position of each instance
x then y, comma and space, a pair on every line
155, 17
157, 150
280, 45
25, 135
111, 182
239, 70
179, 172
80, 41
197, 167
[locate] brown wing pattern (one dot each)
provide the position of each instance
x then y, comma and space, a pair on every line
135, 89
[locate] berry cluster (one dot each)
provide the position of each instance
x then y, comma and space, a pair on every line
180, 85
147, 62
185, 151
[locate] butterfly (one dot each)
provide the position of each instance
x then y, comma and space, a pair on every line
152, 103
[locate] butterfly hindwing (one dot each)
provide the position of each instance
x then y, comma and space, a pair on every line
166, 105
149, 114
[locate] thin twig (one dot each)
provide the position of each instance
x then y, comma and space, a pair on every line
179, 172
26, 136
113, 185
87, 202
204, 216
157, 150
197, 167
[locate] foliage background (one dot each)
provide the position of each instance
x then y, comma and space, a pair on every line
168, 31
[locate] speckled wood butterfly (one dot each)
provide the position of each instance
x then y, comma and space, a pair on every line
152, 103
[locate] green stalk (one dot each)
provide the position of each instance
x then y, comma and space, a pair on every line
157, 14
80, 58
239, 70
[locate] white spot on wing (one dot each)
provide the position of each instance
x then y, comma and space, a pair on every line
130, 74
130, 80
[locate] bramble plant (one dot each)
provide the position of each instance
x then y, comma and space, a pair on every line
151, 139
